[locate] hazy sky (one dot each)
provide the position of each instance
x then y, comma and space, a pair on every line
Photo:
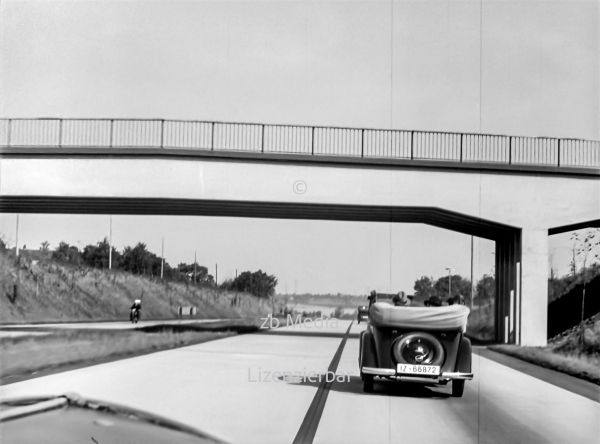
515, 67
525, 67
306, 256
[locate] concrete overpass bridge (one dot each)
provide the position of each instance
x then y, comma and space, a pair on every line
510, 189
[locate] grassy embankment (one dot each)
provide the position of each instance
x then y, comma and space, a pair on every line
58, 350
564, 354
480, 325
53, 292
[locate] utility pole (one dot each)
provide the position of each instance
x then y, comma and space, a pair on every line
162, 256
273, 304
110, 244
194, 266
17, 240
216, 274
449, 282
471, 298
17, 284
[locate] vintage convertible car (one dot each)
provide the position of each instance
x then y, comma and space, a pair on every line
416, 344
363, 314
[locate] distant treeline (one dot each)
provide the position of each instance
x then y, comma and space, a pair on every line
446, 288
136, 260
139, 260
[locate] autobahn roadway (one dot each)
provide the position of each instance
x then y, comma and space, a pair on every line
248, 389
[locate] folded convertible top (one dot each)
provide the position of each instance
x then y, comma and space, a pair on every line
448, 317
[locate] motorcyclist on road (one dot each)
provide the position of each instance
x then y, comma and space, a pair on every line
135, 307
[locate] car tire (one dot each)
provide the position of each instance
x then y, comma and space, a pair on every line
368, 383
458, 388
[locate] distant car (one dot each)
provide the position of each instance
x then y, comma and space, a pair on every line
423, 345
363, 313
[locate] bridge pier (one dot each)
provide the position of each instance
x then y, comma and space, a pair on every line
508, 252
534, 287
522, 287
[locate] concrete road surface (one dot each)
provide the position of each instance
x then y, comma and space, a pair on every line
248, 389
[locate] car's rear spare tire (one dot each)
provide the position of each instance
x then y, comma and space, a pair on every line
418, 348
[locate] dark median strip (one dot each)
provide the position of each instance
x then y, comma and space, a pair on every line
308, 428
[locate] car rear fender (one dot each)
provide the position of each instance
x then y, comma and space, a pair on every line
463, 359
367, 357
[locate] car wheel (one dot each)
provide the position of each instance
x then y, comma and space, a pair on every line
458, 387
368, 383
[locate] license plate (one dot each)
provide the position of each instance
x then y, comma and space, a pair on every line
425, 370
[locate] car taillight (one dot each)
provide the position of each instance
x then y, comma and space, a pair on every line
418, 348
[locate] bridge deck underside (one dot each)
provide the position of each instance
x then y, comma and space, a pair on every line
507, 238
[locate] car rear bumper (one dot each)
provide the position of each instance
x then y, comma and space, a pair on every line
393, 374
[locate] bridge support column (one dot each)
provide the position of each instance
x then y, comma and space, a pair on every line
508, 254
534, 287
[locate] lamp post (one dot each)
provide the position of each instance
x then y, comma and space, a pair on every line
471, 290
110, 243
449, 282
17, 240
162, 256
194, 267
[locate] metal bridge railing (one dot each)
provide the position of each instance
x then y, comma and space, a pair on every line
306, 140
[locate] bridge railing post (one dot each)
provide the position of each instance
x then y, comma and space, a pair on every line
510, 149
312, 142
60, 132
212, 136
362, 143
8, 131
558, 155
162, 133
112, 124
461, 147
412, 145
262, 138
